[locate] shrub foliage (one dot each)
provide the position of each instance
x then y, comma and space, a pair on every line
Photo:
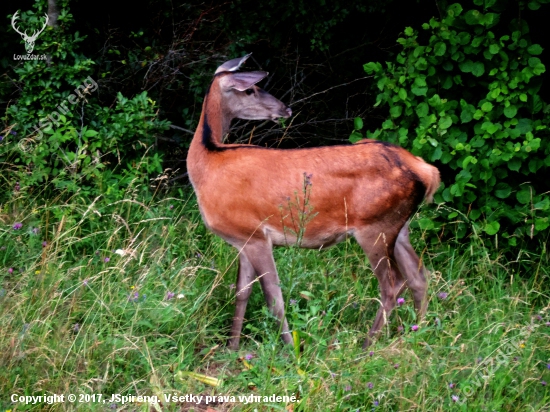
57, 129
467, 100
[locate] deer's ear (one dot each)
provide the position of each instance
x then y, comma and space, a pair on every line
241, 81
232, 65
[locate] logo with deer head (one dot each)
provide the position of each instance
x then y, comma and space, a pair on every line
29, 40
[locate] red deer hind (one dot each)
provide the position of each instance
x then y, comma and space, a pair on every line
368, 190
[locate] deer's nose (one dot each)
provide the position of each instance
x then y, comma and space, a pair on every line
289, 111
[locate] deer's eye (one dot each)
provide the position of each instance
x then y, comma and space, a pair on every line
249, 91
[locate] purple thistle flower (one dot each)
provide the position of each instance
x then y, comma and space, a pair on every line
17, 187
10, 271
376, 403
347, 388
454, 398
548, 366
106, 259
396, 366
400, 328
539, 318
414, 328
400, 301
85, 282
13, 133
76, 327
370, 385
17, 225
442, 295
543, 383
371, 354
35, 230
248, 356
451, 385
169, 295
547, 323
44, 244
293, 301
171, 207
1, 138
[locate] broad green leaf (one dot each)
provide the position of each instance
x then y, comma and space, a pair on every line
510, 111
467, 160
420, 81
466, 116
355, 136
503, 190
425, 223
487, 106
445, 122
514, 164
419, 91
494, 48
90, 133
466, 66
396, 111
372, 67
402, 94
524, 126
542, 223
492, 228
357, 123
478, 69
534, 49
440, 48
539, 69
422, 109
454, 10
421, 64
523, 196
473, 17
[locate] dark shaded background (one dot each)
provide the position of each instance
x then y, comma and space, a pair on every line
313, 50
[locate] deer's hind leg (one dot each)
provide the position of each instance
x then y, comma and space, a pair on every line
379, 248
413, 270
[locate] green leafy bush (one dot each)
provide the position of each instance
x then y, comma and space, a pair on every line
468, 101
58, 131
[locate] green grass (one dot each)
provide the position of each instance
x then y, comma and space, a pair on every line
73, 322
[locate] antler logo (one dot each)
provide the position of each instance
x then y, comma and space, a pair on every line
29, 40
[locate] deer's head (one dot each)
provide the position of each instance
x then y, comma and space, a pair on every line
241, 98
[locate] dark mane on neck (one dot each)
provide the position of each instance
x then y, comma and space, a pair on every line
207, 138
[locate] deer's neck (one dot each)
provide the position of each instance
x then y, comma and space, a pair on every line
213, 126
214, 122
